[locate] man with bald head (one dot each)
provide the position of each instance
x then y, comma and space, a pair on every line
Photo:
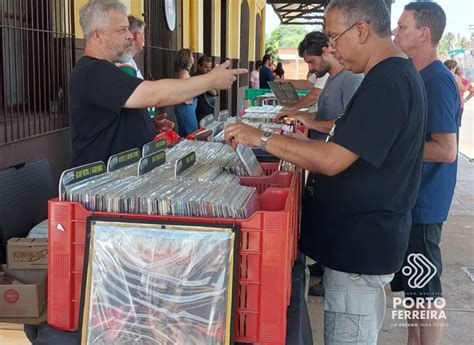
107, 106
364, 178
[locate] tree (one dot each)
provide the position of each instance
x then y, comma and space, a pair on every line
449, 42
446, 43
288, 36
271, 47
462, 42
284, 36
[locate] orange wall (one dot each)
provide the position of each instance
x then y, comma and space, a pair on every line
293, 65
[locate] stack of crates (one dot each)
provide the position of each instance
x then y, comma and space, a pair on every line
264, 272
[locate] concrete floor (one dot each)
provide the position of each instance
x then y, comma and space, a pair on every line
458, 251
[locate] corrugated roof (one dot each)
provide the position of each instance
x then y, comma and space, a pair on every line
300, 11
303, 11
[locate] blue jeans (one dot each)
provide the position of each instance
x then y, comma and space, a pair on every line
186, 117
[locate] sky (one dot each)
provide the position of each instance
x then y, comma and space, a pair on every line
459, 13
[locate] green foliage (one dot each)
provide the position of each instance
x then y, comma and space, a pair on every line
284, 36
449, 42
288, 36
446, 43
462, 42
271, 47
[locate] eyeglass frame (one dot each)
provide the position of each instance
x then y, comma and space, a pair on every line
332, 40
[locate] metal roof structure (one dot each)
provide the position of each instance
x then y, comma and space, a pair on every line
307, 12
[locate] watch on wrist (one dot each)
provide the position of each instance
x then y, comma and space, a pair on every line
266, 136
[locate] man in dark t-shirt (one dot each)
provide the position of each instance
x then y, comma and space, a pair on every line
108, 106
100, 127
265, 73
358, 199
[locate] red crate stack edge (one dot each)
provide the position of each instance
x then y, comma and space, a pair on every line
263, 277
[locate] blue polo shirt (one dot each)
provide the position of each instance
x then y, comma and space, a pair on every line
265, 75
438, 179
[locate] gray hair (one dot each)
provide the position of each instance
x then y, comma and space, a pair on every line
135, 24
94, 15
374, 12
431, 15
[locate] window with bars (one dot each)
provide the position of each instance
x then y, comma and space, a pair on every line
37, 42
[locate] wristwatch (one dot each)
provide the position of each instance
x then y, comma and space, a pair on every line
266, 136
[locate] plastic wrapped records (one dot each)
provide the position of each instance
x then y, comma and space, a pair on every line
158, 284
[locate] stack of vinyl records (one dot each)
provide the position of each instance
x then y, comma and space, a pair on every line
207, 188
264, 113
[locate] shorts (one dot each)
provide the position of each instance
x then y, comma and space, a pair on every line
420, 275
354, 307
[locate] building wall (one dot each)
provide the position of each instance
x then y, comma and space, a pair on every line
56, 146
293, 65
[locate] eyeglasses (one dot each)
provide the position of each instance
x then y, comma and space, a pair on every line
333, 40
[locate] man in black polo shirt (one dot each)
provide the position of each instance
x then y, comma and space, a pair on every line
107, 106
356, 211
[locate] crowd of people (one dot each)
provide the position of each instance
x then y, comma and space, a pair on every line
382, 153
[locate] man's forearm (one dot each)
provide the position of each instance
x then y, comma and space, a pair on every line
320, 126
308, 100
307, 154
300, 84
437, 153
166, 92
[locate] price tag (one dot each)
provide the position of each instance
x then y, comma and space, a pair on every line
154, 146
184, 163
123, 159
150, 162
80, 173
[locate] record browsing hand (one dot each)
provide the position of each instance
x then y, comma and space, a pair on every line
240, 133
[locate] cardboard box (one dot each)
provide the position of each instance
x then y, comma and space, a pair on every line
23, 300
27, 253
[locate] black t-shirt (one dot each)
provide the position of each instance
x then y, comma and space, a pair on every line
205, 103
359, 220
100, 126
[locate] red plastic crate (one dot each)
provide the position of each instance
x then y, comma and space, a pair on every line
263, 275
271, 167
277, 179
280, 179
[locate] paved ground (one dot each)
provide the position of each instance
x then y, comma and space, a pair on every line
458, 251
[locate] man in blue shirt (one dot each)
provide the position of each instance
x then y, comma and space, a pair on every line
266, 73
419, 30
